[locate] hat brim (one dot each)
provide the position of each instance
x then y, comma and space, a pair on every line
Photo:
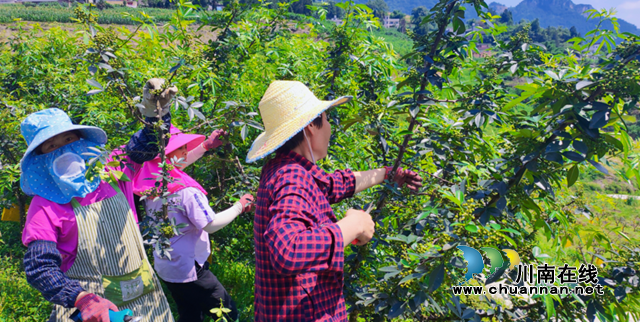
266, 143
89, 133
179, 139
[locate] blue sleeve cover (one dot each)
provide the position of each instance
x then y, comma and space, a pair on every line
143, 145
42, 265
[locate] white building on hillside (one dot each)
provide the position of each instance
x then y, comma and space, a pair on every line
386, 22
390, 23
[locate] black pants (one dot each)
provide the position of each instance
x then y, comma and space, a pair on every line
197, 298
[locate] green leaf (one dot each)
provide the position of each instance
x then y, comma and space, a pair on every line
471, 227
511, 230
410, 277
436, 277
626, 141
582, 84
619, 145
94, 83
548, 303
522, 97
599, 166
572, 175
552, 74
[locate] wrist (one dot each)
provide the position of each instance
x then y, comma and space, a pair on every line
80, 297
387, 170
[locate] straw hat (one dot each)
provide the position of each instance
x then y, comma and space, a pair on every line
286, 108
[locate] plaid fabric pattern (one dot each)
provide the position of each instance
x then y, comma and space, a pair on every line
299, 246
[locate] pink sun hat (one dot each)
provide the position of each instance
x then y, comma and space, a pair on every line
144, 180
179, 139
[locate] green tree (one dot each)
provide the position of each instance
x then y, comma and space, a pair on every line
573, 32
379, 7
506, 18
333, 10
397, 14
417, 16
535, 27
300, 7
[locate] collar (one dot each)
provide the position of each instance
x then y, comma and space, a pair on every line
313, 169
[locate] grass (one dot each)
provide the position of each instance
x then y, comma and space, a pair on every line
18, 301
238, 279
58, 13
401, 43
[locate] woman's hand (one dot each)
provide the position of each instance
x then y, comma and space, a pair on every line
213, 141
408, 177
247, 203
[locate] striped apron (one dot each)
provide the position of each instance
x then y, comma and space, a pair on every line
112, 262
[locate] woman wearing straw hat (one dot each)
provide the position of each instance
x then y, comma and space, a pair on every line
299, 242
84, 246
186, 273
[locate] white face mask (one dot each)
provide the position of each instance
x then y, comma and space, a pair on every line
313, 159
68, 166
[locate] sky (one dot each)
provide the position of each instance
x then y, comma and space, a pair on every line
628, 10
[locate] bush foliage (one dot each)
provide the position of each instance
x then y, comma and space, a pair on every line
496, 160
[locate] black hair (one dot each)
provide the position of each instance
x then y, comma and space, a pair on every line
295, 140
78, 133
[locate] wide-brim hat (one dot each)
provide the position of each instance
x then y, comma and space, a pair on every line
179, 139
43, 125
286, 108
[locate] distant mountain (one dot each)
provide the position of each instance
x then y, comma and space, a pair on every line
549, 12
561, 13
497, 7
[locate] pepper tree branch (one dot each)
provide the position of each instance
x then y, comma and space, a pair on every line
518, 175
423, 84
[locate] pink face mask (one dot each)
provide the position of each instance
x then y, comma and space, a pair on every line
142, 184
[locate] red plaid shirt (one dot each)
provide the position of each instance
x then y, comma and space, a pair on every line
299, 246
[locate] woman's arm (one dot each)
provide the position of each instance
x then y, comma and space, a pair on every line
42, 266
194, 155
224, 218
368, 179
245, 204
143, 145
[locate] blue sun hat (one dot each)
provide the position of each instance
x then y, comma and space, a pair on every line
40, 126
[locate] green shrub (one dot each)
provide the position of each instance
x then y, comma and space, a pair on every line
617, 188
592, 186
18, 300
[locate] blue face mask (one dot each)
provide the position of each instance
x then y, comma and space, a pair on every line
59, 176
